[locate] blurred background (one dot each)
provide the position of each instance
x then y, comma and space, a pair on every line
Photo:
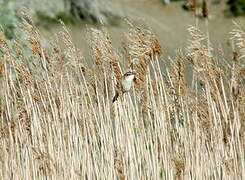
168, 19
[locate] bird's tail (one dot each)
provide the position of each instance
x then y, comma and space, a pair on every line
115, 97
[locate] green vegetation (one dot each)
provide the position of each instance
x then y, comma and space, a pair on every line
237, 7
63, 16
8, 19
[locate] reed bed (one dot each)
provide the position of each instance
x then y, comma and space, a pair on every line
58, 120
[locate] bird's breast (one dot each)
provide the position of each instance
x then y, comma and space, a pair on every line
127, 83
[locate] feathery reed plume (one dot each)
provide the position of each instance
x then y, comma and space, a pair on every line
4, 51
238, 76
201, 58
53, 125
103, 52
142, 47
106, 61
208, 73
33, 35
19, 49
177, 91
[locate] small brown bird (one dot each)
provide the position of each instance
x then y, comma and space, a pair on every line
126, 83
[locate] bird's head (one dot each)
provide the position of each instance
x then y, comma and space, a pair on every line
130, 75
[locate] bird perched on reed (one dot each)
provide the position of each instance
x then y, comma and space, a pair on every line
125, 84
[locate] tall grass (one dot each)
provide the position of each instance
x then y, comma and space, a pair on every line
58, 120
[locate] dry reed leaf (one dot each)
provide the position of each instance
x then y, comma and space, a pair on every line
56, 108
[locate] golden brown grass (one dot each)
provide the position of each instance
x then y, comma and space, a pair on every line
58, 120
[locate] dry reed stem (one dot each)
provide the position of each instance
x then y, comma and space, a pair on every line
56, 119
142, 47
238, 74
106, 60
